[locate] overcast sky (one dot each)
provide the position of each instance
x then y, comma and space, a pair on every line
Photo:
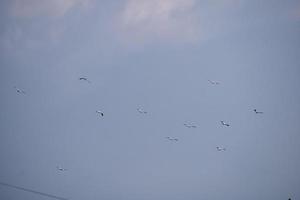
157, 55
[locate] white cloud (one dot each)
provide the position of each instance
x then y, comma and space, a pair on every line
22, 32
179, 21
164, 19
53, 8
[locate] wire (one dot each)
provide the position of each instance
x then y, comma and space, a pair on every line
33, 191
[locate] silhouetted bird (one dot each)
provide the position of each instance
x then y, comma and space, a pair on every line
258, 112
189, 125
84, 79
100, 112
141, 111
60, 168
221, 148
224, 123
18, 90
172, 139
214, 82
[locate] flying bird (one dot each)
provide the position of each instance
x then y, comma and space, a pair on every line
141, 111
189, 125
172, 139
18, 90
84, 79
221, 148
258, 112
224, 123
60, 168
100, 112
214, 82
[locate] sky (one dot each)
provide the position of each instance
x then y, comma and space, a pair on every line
157, 55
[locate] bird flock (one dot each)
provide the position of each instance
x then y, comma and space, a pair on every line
141, 111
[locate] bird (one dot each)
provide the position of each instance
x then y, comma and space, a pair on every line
18, 90
172, 139
258, 112
189, 125
60, 168
221, 148
141, 111
224, 123
84, 79
100, 112
214, 82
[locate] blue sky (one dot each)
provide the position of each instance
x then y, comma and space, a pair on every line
156, 55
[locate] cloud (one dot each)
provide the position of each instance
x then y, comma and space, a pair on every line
52, 8
36, 22
179, 21
160, 19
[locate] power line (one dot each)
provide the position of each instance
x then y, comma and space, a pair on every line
32, 191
